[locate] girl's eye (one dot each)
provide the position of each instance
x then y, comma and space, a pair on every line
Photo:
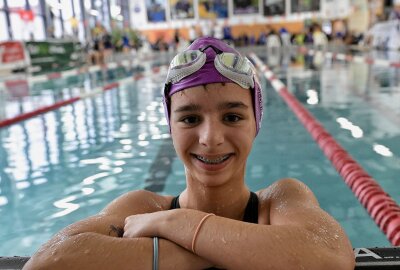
190, 120
232, 118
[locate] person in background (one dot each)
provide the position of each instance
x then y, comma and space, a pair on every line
285, 37
177, 38
192, 33
298, 39
274, 42
308, 36
108, 47
213, 104
395, 13
227, 32
320, 39
98, 45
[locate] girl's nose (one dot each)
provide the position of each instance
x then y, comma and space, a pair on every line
211, 133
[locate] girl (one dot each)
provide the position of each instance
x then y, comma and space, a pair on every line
213, 105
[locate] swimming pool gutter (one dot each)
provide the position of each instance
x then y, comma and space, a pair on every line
366, 259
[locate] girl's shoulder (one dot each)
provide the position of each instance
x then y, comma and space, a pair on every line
281, 187
283, 190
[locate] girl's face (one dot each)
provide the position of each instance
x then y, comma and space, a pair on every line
213, 129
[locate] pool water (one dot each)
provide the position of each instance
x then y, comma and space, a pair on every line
67, 164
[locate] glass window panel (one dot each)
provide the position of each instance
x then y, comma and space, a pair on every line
22, 30
3, 33
16, 4
1, 3
66, 9
34, 3
55, 12
77, 7
87, 5
35, 6
17, 26
39, 33
57, 28
68, 28
81, 32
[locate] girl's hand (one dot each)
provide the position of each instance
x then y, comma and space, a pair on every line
143, 225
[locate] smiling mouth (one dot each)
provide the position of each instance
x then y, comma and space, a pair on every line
213, 161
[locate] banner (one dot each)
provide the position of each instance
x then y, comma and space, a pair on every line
304, 5
12, 55
274, 7
11, 51
156, 10
245, 6
209, 9
331, 9
138, 13
54, 55
181, 9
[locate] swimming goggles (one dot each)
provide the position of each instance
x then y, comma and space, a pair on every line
233, 66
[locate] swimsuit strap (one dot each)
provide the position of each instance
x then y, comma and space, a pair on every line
175, 203
250, 213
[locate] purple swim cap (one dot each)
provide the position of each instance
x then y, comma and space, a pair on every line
209, 74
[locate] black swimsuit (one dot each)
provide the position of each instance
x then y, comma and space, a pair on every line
250, 213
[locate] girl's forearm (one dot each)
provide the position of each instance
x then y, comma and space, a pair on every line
239, 245
96, 251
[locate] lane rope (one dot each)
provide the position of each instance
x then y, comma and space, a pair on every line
59, 104
380, 206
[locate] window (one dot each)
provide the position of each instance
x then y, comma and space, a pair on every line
35, 6
18, 27
38, 25
16, 4
3, 33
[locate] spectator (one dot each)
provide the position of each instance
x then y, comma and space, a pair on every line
320, 39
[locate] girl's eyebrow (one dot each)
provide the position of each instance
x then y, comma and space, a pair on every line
222, 106
188, 108
232, 105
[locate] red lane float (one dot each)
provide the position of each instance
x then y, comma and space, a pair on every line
24, 116
381, 207
45, 109
55, 75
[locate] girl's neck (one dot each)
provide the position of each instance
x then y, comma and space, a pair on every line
224, 201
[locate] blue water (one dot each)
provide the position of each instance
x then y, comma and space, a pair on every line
68, 164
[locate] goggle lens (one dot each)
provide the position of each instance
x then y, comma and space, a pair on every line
185, 58
235, 63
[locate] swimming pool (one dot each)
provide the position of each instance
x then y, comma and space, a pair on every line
67, 164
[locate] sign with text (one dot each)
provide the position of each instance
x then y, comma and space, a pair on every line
55, 55
11, 51
12, 56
